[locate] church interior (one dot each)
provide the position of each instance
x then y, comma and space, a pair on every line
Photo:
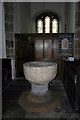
40, 60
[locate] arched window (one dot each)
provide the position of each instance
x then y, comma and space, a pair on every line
47, 23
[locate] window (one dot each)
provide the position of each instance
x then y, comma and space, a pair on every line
47, 23
40, 26
54, 26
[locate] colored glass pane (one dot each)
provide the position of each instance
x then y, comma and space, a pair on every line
47, 24
54, 26
40, 26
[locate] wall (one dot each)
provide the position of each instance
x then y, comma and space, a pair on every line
55, 7
25, 13
70, 17
17, 20
22, 17
77, 31
2, 33
0, 60
9, 29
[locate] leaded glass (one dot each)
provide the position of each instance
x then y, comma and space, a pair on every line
47, 24
54, 26
40, 26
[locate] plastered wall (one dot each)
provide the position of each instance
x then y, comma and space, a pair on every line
55, 7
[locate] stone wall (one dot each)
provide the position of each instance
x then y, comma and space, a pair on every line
77, 31
9, 29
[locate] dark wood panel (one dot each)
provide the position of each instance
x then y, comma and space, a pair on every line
38, 49
21, 48
21, 45
71, 82
6, 71
31, 47
47, 48
19, 67
55, 48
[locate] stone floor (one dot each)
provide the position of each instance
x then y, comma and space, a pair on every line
58, 107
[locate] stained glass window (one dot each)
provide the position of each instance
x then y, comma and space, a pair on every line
40, 26
47, 24
54, 26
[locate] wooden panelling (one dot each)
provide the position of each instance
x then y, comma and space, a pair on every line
21, 54
38, 49
22, 48
71, 82
55, 48
47, 48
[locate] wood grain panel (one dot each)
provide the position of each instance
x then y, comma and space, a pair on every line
21, 56
29, 47
38, 49
22, 48
47, 48
55, 48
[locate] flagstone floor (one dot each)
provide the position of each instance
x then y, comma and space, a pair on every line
16, 102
